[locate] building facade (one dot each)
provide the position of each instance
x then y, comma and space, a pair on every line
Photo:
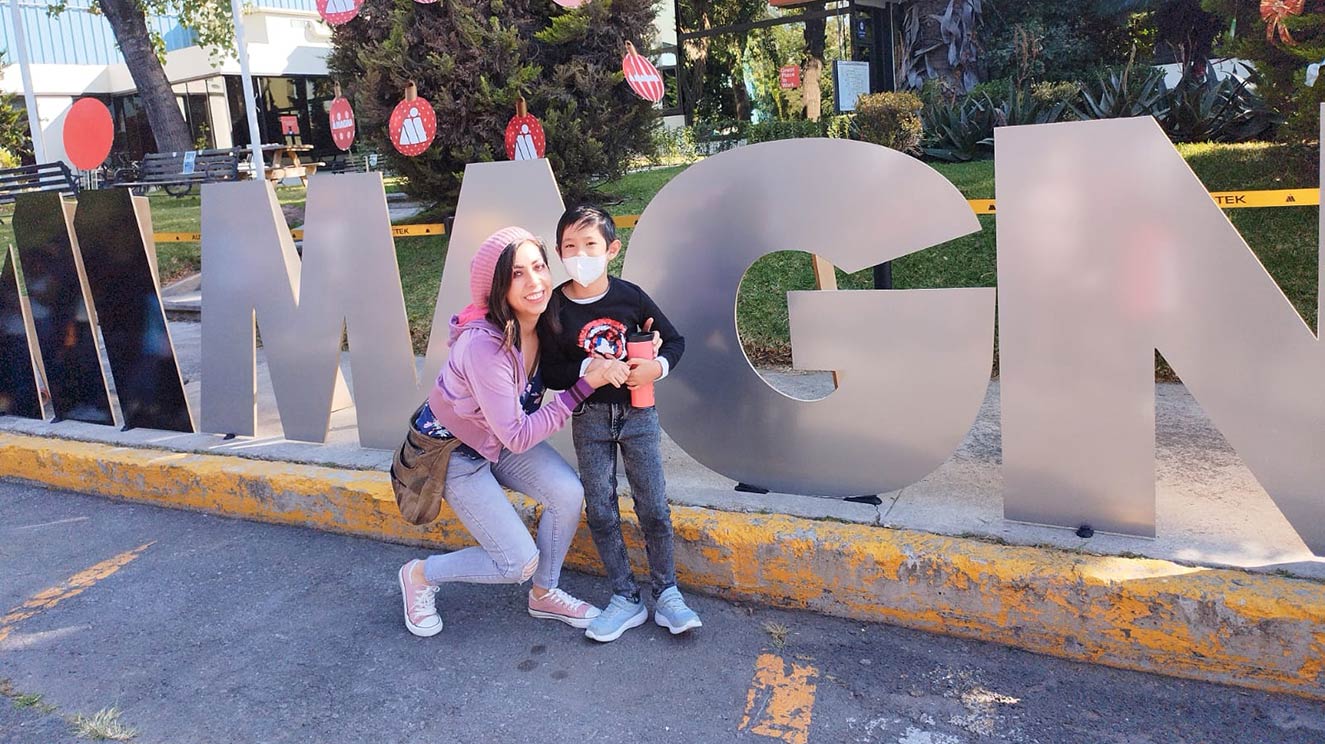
74, 55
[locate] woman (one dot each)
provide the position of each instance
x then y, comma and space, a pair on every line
489, 395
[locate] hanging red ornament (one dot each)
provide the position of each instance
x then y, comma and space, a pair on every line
337, 12
1273, 12
342, 121
413, 123
642, 76
524, 135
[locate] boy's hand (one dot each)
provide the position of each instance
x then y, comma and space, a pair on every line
603, 370
657, 337
643, 372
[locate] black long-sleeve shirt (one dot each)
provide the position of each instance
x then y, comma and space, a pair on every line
601, 327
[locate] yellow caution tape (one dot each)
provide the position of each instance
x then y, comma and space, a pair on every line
1225, 199
177, 237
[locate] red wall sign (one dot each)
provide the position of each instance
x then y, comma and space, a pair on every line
337, 12
413, 124
290, 126
88, 133
642, 76
342, 122
789, 76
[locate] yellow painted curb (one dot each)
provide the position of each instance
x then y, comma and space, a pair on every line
1234, 627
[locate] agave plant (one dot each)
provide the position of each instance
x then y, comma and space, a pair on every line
960, 131
1119, 94
1210, 109
1021, 107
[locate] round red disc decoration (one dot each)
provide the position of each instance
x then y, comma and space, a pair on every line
642, 76
88, 133
413, 123
342, 122
524, 135
337, 12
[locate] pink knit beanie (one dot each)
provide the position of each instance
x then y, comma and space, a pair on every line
484, 266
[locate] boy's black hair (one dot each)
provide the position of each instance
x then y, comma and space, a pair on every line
587, 214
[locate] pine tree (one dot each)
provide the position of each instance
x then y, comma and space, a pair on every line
1281, 50
471, 59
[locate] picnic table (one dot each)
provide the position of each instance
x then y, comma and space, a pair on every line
286, 163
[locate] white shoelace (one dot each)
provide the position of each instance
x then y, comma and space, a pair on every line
565, 600
425, 602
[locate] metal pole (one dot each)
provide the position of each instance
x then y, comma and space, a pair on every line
29, 94
250, 101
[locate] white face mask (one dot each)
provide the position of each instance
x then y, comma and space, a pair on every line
585, 270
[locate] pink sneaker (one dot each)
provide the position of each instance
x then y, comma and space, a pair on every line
421, 616
558, 605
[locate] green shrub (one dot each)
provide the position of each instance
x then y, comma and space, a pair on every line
674, 145
842, 126
994, 90
767, 131
890, 119
1051, 94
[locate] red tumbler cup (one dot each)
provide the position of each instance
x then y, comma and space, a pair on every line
640, 346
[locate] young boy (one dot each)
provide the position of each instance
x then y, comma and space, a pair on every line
597, 313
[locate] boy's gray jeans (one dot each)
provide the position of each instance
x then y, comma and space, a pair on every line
598, 429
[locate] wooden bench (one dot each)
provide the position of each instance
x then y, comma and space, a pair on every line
178, 172
44, 177
347, 164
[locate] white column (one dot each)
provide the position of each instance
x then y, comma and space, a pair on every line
29, 94
250, 102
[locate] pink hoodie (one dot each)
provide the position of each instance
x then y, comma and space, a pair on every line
477, 394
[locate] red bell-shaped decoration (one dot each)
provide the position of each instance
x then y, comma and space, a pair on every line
524, 135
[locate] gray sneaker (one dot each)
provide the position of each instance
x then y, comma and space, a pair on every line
671, 612
619, 616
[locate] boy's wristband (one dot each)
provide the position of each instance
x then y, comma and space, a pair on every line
577, 393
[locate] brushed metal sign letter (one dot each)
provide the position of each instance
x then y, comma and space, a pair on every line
1109, 247
251, 273
18, 381
914, 365
63, 313
114, 235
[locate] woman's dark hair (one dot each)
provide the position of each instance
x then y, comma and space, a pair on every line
500, 312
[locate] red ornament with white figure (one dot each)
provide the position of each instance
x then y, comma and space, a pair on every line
341, 115
642, 76
524, 135
337, 12
413, 123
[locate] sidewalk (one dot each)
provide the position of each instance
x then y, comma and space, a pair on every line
950, 563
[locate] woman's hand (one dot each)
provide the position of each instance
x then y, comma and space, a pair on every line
604, 371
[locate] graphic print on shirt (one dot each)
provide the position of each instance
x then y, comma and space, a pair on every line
604, 336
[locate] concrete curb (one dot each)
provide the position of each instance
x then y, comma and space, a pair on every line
1234, 627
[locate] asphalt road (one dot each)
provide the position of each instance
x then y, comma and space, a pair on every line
204, 629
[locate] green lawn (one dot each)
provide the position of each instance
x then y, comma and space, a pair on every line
1284, 239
